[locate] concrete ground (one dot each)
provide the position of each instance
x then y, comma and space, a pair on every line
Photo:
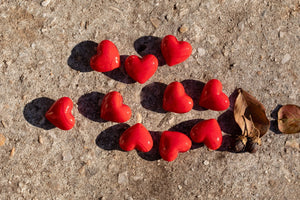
45, 52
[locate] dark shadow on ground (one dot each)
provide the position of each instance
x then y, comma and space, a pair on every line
229, 126
232, 98
109, 138
186, 127
274, 123
149, 45
194, 88
227, 123
89, 106
228, 143
120, 74
153, 154
226, 120
152, 97
34, 112
81, 55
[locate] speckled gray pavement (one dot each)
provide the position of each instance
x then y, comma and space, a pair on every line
44, 55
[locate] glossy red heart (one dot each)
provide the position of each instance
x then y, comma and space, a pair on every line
207, 132
175, 51
107, 57
141, 69
59, 114
113, 109
171, 143
212, 96
136, 137
176, 100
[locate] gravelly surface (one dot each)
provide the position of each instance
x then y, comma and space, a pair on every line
45, 52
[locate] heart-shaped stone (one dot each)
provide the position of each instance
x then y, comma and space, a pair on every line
60, 114
107, 57
113, 109
174, 51
141, 69
212, 96
176, 100
171, 143
136, 137
207, 132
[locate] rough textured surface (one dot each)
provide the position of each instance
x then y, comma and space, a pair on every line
45, 52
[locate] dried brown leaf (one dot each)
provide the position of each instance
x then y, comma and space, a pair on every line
239, 110
250, 115
289, 119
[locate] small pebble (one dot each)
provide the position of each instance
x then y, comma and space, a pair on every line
67, 156
171, 120
82, 24
285, 58
3, 124
269, 140
41, 141
120, 86
179, 187
110, 83
123, 178
43, 30
201, 52
212, 39
45, 3
241, 26
2, 139
206, 162
12, 152
259, 73
293, 144
82, 170
168, 17
183, 12
184, 28
272, 182
139, 118
115, 9
155, 21
185, 182
137, 178
281, 34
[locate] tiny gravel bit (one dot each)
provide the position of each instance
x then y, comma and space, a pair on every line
12, 152
2, 139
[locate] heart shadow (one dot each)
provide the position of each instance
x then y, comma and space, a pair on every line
274, 123
89, 106
149, 45
109, 138
186, 127
194, 88
34, 112
153, 154
119, 74
229, 126
81, 55
152, 97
